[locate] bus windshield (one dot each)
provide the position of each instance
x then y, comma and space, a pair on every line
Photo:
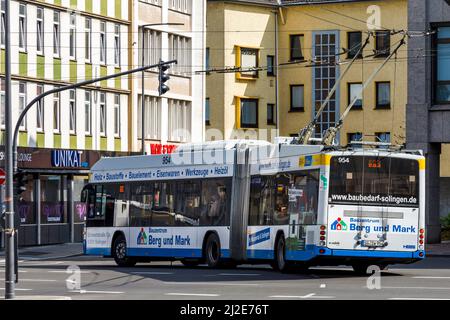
377, 181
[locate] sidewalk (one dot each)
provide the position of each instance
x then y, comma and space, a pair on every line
438, 250
51, 252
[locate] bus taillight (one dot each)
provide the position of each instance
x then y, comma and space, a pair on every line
322, 228
322, 235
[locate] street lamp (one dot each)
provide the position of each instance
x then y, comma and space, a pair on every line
143, 76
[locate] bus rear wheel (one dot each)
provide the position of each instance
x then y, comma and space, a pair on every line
119, 252
280, 262
212, 251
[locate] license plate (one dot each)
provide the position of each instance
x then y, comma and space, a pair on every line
372, 243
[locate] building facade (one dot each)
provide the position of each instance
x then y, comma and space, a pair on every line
55, 43
281, 58
177, 116
428, 108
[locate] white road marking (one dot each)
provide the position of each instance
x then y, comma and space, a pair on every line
323, 286
96, 291
214, 283
19, 289
417, 299
42, 298
308, 296
65, 271
417, 288
422, 277
151, 273
192, 294
37, 280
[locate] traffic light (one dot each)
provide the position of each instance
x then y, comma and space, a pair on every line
20, 185
163, 78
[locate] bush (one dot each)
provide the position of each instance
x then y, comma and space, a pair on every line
445, 222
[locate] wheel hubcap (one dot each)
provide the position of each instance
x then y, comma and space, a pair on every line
121, 251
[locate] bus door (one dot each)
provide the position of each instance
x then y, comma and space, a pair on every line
302, 197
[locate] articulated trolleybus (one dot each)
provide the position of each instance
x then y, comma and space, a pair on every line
233, 202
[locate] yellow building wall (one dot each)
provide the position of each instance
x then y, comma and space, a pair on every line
241, 26
307, 19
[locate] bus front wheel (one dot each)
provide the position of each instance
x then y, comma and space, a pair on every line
119, 253
212, 251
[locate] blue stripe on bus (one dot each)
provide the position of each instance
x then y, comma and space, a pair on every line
376, 254
98, 251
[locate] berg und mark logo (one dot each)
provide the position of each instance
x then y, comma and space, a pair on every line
339, 225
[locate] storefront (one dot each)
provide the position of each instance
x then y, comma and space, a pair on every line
50, 209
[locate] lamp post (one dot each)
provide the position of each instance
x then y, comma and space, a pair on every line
143, 77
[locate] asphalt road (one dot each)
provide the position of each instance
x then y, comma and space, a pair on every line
102, 279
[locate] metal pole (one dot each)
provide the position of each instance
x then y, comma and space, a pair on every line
142, 95
9, 232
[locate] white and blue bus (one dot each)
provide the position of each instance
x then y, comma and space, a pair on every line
291, 206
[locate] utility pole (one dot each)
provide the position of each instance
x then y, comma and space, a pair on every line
143, 77
9, 214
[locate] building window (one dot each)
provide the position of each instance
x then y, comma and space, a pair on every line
72, 111
249, 113
87, 39
382, 43
355, 92
117, 45
40, 31
56, 112
2, 102
271, 66
271, 114
356, 136
72, 37
383, 137
183, 6
180, 50
87, 112
297, 98
207, 112
249, 62
102, 113
207, 59
56, 34
23, 103
117, 115
442, 65
103, 42
354, 44
383, 91
151, 47
296, 42
22, 27
40, 109
179, 120
152, 117
3, 25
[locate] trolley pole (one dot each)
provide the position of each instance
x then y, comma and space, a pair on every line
9, 214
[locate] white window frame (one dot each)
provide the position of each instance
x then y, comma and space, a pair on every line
40, 116
56, 34
88, 40
73, 36
72, 111
179, 118
102, 44
117, 115
117, 45
2, 24
22, 27
88, 112
40, 30
57, 112
102, 114
22, 103
2, 103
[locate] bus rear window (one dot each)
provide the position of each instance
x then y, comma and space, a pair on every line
374, 181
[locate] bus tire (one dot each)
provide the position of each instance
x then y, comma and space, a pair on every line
280, 256
119, 253
190, 263
212, 251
